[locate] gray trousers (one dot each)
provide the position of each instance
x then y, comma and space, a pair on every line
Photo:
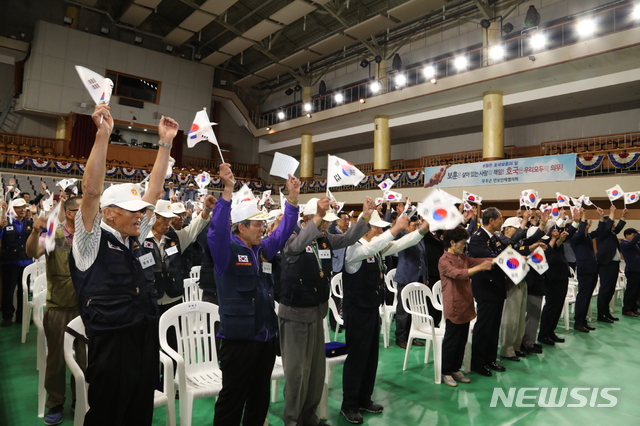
534, 309
55, 324
304, 363
513, 320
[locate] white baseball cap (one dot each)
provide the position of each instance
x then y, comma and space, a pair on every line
177, 208
311, 208
126, 196
512, 221
19, 202
376, 221
247, 210
163, 208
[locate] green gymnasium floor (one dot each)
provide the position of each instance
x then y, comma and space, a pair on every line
606, 358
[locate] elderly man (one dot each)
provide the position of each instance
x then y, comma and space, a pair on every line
630, 249
306, 271
62, 306
113, 278
13, 237
363, 289
248, 322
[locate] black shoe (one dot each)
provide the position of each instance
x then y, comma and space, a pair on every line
352, 416
557, 339
630, 314
372, 408
521, 354
533, 349
605, 319
611, 317
581, 328
495, 366
588, 327
402, 345
5, 323
482, 370
511, 358
417, 342
547, 341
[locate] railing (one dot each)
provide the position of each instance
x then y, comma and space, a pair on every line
618, 141
31, 141
609, 21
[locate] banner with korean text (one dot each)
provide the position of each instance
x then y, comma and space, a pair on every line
550, 168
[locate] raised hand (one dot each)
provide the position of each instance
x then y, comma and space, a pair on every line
167, 129
102, 119
293, 186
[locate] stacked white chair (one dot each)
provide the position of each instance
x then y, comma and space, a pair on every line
198, 374
336, 285
414, 300
39, 301
194, 274
192, 291
166, 398
388, 311
28, 276
570, 299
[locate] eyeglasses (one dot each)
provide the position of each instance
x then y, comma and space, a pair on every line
260, 225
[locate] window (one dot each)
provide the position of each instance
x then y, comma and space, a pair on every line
132, 87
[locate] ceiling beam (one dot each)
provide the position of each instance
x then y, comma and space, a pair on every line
484, 8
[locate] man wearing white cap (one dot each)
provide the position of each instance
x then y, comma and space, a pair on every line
363, 291
306, 271
166, 245
13, 238
248, 323
113, 278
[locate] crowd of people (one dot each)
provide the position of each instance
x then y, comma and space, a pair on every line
118, 259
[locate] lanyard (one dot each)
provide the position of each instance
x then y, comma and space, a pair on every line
314, 248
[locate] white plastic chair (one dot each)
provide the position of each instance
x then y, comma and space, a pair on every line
39, 300
198, 374
28, 276
621, 285
192, 291
388, 311
82, 404
337, 317
194, 274
276, 375
436, 301
414, 300
569, 299
331, 363
336, 285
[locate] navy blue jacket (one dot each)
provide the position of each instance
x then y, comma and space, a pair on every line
631, 252
607, 241
411, 264
582, 245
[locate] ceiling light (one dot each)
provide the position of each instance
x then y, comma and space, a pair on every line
485, 23
104, 30
288, 92
338, 98
364, 63
68, 20
429, 71
129, 127
496, 53
169, 49
401, 80
538, 41
375, 87
281, 115
308, 107
137, 40
361, 100
460, 62
145, 130
268, 128
636, 12
586, 27
434, 80
308, 115
297, 88
507, 28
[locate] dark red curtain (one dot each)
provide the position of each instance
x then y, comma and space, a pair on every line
176, 150
83, 136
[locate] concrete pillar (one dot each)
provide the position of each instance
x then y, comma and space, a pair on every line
306, 156
72, 12
381, 75
492, 126
306, 94
490, 37
61, 135
381, 144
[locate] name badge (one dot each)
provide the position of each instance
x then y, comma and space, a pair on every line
147, 260
9, 228
171, 250
267, 268
325, 254
371, 260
